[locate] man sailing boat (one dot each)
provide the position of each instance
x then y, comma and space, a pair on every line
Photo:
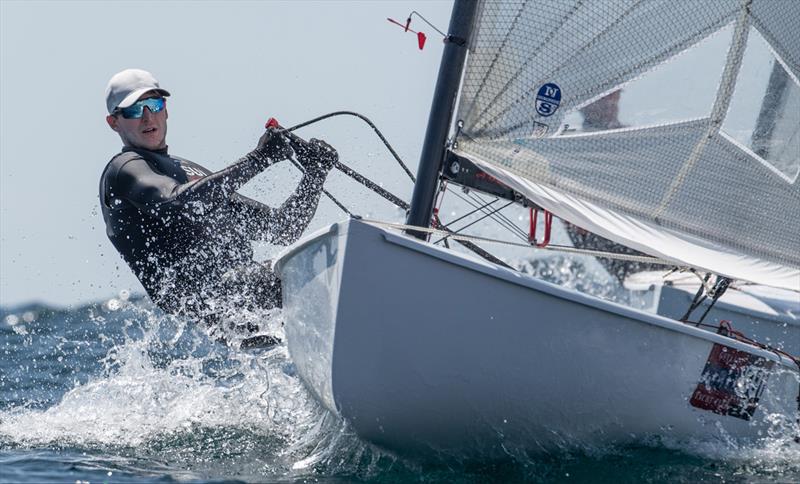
601, 115
183, 230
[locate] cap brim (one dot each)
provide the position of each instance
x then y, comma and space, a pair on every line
135, 95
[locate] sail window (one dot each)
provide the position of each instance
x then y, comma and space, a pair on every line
678, 89
764, 113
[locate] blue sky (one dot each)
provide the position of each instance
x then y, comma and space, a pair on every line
229, 66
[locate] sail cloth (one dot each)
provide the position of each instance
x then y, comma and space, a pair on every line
673, 128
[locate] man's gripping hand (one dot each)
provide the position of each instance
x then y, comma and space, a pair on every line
274, 145
316, 156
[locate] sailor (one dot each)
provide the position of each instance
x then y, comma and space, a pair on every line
183, 230
603, 114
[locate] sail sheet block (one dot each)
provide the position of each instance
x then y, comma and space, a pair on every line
724, 181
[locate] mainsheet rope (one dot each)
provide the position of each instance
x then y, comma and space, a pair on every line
371, 125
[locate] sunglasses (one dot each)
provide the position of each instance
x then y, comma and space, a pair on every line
136, 110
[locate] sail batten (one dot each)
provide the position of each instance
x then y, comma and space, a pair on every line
579, 98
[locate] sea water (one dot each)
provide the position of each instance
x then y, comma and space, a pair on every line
119, 392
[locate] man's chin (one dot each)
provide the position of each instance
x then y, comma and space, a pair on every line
150, 145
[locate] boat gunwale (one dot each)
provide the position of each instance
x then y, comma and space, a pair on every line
292, 250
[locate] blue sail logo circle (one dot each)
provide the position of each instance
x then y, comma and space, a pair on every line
548, 99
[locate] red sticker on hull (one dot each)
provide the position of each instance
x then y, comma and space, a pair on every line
732, 382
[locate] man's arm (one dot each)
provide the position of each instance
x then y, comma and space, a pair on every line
147, 189
283, 225
286, 224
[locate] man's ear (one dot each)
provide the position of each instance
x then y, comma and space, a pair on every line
112, 122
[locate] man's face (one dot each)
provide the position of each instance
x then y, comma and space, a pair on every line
148, 132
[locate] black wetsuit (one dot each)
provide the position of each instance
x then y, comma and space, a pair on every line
620, 269
186, 234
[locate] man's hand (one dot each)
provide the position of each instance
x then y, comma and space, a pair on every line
273, 144
317, 156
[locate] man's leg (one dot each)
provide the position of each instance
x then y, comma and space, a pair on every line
258, 285
257, 288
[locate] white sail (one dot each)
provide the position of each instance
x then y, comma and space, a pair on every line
671, 128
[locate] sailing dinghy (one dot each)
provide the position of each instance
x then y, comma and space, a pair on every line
669, 130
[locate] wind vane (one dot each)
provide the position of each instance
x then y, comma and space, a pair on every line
420, 35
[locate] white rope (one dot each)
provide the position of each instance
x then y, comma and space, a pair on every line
557, 248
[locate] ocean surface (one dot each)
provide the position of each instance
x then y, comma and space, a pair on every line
118, 392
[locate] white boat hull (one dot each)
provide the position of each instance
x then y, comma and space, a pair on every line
421, 349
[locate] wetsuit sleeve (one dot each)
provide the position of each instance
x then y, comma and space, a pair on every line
147, 189
283, 225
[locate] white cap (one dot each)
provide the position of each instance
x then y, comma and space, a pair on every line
127, 86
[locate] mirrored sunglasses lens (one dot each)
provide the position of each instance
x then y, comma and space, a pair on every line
132, 112
154, 104
136, 110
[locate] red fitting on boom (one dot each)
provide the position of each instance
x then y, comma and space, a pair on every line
548, 226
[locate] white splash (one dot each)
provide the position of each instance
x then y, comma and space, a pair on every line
140, 399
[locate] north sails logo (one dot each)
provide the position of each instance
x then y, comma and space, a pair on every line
548, 98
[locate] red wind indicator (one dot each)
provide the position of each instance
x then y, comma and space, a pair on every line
421, 40
420, 35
